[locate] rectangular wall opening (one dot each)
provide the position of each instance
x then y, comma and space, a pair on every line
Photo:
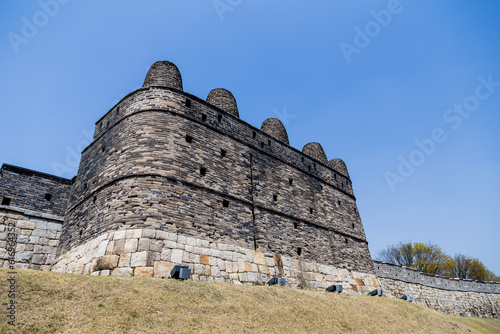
275, 197
299, 251
47, 197
290, 181
219, 118
6, 201
188, 103
203, 171
254, 134
225, 203
189, 139
295, 225
222, 153
311, 210
204, 117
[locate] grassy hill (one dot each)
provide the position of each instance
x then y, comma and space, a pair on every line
64, 303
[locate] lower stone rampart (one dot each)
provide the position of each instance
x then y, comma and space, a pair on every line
33, 235
447, 295
150, 252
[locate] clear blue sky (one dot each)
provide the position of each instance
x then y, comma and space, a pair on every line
365, 79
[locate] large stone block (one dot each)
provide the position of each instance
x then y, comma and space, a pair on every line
26, 224
122, 272
107, 262
125, 260
143, 244
139, 259
162, 269
177, 255
131, 245
143, 271
23, 256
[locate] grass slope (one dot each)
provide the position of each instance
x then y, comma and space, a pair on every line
64, 303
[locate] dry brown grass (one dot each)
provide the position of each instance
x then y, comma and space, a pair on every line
65, 303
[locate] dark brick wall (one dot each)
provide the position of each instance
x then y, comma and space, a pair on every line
145, 168
31, 190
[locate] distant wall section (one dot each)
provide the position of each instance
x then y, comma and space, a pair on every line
453, 296
32, 208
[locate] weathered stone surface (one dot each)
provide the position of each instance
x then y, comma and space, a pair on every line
139, 259
124, 260
122, 272
162, 269
130, 245
143, 271
204, 259
177, 255
223, 99
26, 224
23, 256
108, 262
274, 127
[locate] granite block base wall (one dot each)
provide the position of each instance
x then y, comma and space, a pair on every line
150, 252
36, 238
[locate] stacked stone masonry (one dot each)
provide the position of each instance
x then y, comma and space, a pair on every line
159, 161
150, 252
35, 191
37, 238
448, 295
170, 178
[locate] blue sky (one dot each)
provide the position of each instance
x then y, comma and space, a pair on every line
367, 80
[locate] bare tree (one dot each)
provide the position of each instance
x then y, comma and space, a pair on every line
429, 258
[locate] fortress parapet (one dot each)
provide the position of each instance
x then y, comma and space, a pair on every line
165, 159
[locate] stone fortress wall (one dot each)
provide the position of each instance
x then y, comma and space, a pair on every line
173, 179
33, 204
448, 295
167, 160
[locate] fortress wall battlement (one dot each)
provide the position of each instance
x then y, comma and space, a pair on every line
165, 159
154, 145
447, 295
200, 111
